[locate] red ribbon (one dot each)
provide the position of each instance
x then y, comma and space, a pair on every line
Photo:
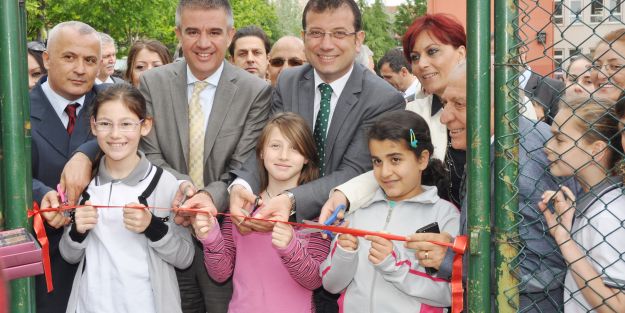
457, 290
40, 231
458, 246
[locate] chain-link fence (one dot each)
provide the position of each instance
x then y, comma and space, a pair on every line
558, 227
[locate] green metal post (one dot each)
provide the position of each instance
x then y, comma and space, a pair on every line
26, 104
478, 154
12, 98
506, 157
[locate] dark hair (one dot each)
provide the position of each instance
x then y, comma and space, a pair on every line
319, 6
442, 26
204, 5
396, 126
295, 129
151, 45
36, 49
395, 59
248, 31
128, 95
619, 107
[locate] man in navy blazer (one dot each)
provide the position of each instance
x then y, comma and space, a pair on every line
59, 106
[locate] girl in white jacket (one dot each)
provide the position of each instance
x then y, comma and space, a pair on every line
127, 255
377, 275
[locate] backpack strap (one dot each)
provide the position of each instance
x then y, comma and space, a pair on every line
143, 198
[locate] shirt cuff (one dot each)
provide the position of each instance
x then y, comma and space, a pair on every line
242, 182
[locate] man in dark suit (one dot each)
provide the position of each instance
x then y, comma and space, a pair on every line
59, 115
332, 90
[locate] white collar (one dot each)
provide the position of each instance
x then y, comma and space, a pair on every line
337, 85
58, 102
213, 79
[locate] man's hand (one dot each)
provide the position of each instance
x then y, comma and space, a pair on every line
428, 254
55, 219
336, 198
136, 220
380, 249
202, 224
277, 208
76, 176
282, 235
241, 199
86, 217
200, 201
185, 191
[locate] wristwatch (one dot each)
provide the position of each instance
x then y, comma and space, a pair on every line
291, 199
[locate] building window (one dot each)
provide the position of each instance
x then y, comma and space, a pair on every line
574, 51
576, 11
557, 12
596, 11
614, 12
557, 58
602, 9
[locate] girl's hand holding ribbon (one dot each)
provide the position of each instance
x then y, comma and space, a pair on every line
86, 218
380, 249
348, 242
282, 235
136, 220
202, 223
55, 219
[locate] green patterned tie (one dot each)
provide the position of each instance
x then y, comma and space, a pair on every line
321, 125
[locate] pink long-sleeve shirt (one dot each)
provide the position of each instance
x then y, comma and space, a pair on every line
265, 277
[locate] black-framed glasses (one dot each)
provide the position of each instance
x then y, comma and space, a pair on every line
36, 46
337, 34
279, 62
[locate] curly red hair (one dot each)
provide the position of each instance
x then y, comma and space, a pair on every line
443, 27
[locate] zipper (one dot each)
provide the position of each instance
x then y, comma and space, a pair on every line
391, 206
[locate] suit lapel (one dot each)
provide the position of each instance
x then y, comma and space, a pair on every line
49, 125
222, 102
344, 105
306, 100
178, 87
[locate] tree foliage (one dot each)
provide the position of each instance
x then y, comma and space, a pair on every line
129, 20
377, 26
289, 14
406, 13
259, 13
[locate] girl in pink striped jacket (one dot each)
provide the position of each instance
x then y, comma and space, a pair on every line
273, 271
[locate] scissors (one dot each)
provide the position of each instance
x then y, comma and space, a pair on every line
64, 202
330, 221
254, 208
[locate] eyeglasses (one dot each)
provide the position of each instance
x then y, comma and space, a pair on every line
608, 67
124, 126
279, 62
337, 34
36, 46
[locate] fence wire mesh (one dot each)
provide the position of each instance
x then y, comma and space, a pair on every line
560, 228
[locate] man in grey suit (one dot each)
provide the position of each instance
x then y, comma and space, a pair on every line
332, 90
235, 107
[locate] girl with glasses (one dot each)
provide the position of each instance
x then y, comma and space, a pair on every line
131, 252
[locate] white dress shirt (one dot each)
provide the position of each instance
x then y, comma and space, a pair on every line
59, 103
207, 96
